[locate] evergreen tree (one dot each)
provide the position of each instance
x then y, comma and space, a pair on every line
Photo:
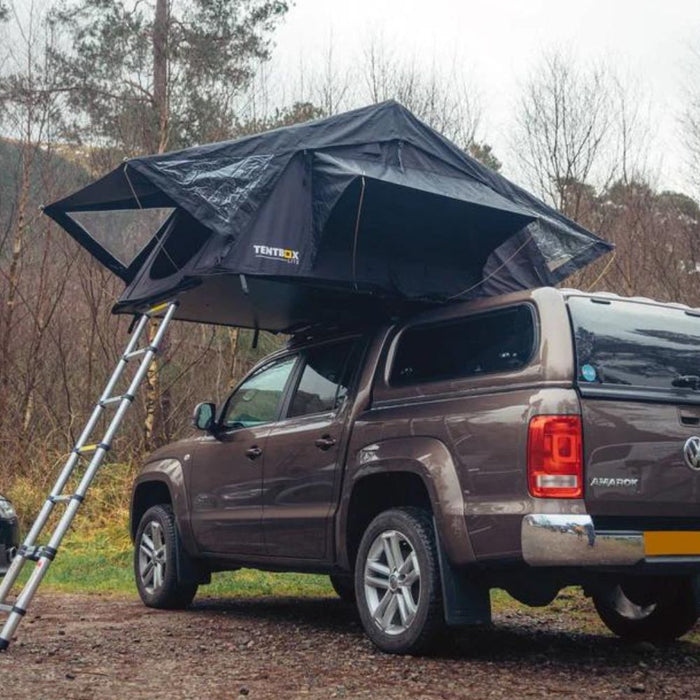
162, 74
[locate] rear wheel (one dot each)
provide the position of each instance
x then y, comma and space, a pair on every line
397, 582
649, 610
157, 547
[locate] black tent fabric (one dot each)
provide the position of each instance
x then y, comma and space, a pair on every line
335, 220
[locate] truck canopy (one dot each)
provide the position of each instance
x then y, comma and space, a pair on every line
335, 220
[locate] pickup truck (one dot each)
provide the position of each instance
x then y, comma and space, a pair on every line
527, 442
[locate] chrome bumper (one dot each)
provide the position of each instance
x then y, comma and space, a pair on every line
571, 540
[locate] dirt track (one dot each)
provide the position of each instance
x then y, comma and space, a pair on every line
91, 646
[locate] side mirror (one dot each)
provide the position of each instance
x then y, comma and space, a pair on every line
203, 416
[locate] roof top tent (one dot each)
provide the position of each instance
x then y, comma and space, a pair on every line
332, 221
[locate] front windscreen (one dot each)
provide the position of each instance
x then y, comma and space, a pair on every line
626, 345
123, 233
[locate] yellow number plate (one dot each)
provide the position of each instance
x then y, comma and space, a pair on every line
658, 544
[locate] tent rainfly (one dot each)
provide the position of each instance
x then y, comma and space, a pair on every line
332, 221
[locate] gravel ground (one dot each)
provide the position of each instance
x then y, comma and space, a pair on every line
77, 646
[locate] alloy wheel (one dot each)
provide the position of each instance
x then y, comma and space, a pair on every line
392, 580
153, 557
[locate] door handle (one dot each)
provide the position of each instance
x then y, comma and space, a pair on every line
253, 452
325, 442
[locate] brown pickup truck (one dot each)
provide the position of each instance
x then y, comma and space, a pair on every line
525, 442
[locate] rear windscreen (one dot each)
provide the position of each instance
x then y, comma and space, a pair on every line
627, 345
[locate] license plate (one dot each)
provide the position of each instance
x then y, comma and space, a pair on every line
658, 544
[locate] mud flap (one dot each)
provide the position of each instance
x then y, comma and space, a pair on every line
187, 571
466, 602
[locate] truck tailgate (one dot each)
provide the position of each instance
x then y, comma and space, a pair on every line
638, 378
634, 459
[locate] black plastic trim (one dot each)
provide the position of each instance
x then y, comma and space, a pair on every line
637, 394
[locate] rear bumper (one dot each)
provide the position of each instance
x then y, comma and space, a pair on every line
572, 540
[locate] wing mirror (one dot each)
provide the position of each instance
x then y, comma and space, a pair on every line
204, 416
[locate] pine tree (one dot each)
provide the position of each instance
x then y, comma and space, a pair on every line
146, 77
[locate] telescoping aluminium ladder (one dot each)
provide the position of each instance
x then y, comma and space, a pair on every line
43, 555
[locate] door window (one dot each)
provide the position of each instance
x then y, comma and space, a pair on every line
325, 380
257, 400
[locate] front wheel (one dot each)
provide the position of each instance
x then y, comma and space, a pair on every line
397, 582
157, 546
649, 610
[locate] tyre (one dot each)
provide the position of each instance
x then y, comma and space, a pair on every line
344, 586
397, 582
156, 552
649, 610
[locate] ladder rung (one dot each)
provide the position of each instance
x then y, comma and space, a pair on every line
86, 449
116, 399
158, 307
36, 552
12, 609
65, 497
140, 351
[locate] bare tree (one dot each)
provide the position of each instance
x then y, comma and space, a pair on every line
563, 130
445, 101
28, 97
691, 121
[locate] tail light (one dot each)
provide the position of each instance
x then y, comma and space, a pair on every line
555, 457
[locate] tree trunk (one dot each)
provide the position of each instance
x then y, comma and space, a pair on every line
233, 350
160, 71
160, 108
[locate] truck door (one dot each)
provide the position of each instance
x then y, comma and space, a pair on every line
226, 477
304, 452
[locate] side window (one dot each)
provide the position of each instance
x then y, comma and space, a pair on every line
498, 341
256, 401
326, 377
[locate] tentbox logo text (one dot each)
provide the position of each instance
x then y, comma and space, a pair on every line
286, 254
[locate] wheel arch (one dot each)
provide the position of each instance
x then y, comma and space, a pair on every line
162, 482
416, 471
147, 493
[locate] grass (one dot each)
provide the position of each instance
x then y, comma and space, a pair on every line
101, 562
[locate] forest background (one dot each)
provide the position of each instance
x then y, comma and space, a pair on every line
87, 83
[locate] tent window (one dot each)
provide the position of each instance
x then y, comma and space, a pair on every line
123, 233
183, 242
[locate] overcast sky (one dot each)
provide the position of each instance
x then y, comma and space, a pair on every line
497, 43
